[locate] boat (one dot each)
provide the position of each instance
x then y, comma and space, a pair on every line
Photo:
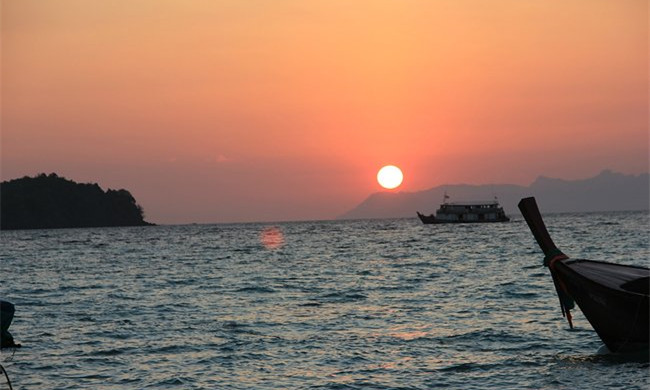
613, 297
466, 212
7, 310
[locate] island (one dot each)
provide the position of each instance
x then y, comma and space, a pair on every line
51, 201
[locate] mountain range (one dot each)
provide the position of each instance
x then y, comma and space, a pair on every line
607, 191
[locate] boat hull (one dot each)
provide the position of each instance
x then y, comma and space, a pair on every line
619, 317
431, 219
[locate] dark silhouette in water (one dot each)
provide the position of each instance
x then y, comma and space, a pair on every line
50, 201
613, 297
6, 316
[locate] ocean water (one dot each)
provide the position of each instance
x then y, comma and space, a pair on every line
373, 304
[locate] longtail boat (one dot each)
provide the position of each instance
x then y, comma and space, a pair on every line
613, 297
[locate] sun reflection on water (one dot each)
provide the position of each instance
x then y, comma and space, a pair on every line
272, 238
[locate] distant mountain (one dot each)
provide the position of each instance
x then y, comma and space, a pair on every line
50, 201
608, 191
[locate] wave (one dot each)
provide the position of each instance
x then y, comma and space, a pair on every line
256, 289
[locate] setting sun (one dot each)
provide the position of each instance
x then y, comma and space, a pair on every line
390, 177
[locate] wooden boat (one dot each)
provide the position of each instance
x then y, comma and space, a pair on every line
7, 310
466, 212
613, 297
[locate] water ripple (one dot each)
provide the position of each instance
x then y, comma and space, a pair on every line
376, 304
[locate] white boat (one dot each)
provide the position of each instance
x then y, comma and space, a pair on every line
466, 212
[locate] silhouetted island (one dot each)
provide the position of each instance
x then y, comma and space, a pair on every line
51, 201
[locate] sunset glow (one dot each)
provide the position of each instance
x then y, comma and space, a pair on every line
226, 111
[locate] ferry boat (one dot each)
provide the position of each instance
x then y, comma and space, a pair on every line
466, 212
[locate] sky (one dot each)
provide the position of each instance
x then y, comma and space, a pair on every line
255, 110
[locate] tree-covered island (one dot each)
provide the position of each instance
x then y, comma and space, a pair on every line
51, 201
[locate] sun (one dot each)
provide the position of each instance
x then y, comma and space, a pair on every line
390, 177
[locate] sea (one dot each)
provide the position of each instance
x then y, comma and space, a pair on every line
363, 304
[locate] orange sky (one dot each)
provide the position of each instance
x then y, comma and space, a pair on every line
219, 111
